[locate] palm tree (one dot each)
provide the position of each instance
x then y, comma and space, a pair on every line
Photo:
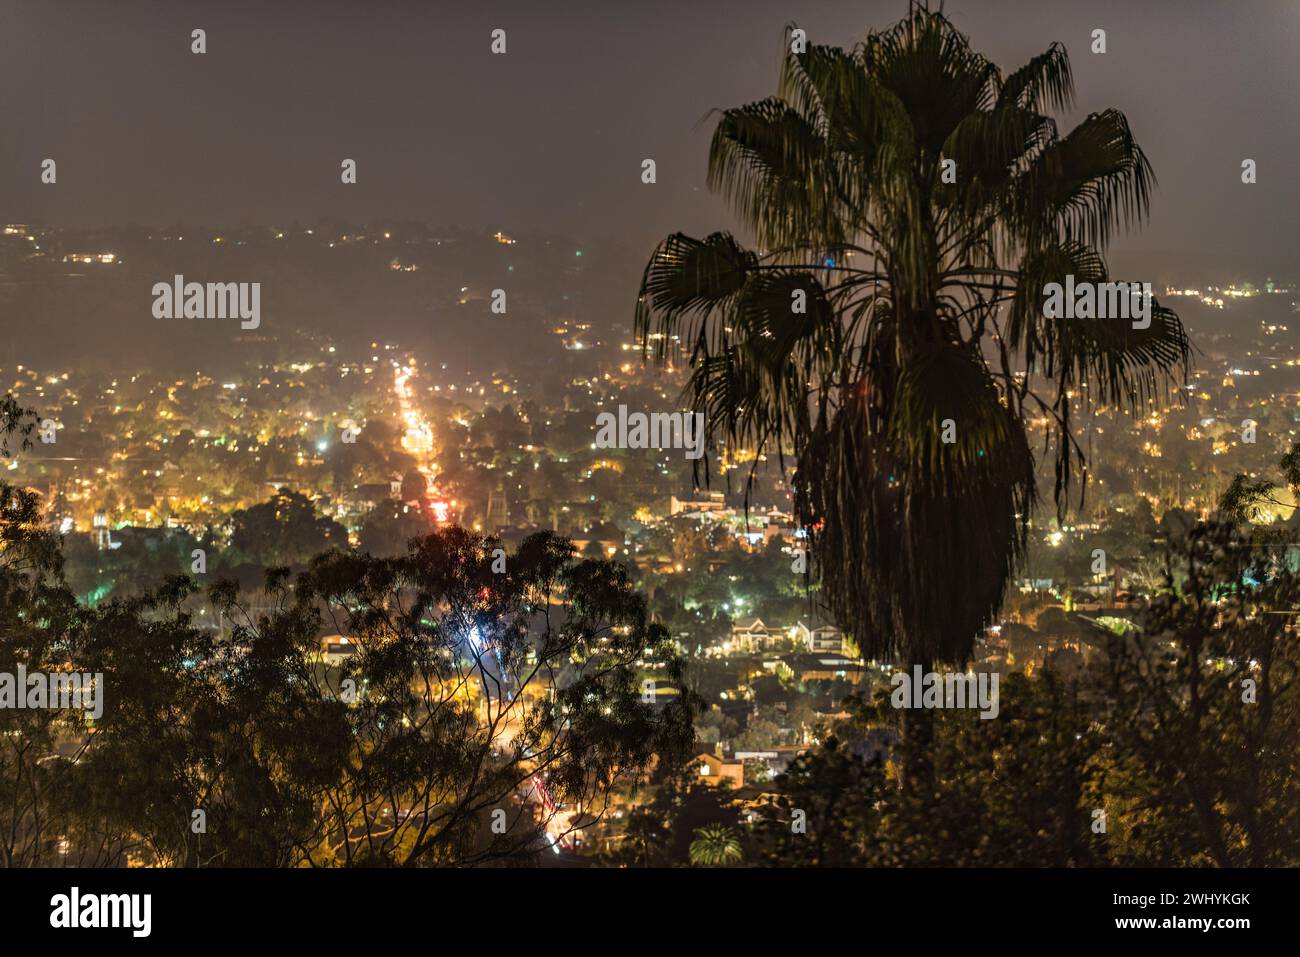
921, 284
715, 845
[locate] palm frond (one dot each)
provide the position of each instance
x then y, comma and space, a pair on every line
1085, 186
688, 277
1044, 83
773, 167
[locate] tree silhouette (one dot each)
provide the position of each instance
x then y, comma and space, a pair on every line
910, 202
481, 717
286, 530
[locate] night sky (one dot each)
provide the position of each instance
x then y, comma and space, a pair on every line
551, 135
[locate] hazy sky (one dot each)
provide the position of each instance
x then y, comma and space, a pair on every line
551, 135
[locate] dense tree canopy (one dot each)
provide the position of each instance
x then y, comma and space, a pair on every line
476, 715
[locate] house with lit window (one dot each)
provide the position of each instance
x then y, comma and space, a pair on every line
713, 769
819, 637
752, 634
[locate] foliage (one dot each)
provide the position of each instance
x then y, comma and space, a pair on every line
1246, 500
472, 699
922, 303
716, 845
286, 530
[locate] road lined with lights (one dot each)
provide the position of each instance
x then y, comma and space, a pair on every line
417, 438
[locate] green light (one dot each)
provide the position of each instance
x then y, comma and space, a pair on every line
96, 595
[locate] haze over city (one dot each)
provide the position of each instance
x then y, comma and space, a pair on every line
579, 435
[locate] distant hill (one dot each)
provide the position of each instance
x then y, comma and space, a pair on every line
424, 288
